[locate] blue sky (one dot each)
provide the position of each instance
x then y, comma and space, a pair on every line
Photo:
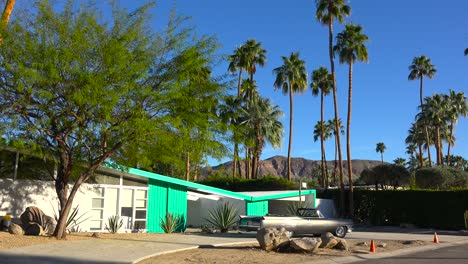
384, 101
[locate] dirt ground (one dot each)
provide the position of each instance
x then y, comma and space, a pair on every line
252, 253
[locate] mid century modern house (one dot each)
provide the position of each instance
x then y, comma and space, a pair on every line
141, 198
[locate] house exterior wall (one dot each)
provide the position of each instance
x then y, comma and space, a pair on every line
199, 210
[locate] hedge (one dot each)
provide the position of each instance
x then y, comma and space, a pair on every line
423, 208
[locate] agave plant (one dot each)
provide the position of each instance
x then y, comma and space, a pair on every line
74, 219
223, 217
114, 223
171, 223
293, 208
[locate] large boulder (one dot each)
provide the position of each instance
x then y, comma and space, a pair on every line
15, 229
328, 240
272, 239
342, 244
33, 215
305, 244
34, 229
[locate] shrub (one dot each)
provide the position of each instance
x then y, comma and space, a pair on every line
114, 223
441, 178
171, 223
74, 219
223, 217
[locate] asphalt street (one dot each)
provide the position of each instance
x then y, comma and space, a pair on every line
448, 255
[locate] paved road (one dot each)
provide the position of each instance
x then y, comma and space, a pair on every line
100, 251
448, 255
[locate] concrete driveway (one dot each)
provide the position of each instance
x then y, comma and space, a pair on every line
131, 251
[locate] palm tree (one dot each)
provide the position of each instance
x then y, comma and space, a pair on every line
291, 78
350, 47
230, 114
422, 67
380, 147
326, 12
254, 55
323, 131
331, 125
322, 82
237, 62
263, 120
400, 161
433, 114
457, 107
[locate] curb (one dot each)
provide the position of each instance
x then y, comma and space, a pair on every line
189, 248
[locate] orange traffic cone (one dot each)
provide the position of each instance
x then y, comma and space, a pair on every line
436, 238
372, 247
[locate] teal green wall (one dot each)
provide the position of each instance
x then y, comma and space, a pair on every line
256, 208
165, 197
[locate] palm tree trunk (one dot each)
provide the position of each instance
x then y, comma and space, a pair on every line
187, 166
239, 80
449, 143
335, 103
438, 146
247, 163
321, 139
235, 160
290, 129
425, 127
348, 140
381, 156
327, 183
335, 165
9, 5
421, 161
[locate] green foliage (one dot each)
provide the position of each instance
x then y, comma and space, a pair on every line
74, 219
223, 217
114, 223
292, 208
266, 183
171, 223
385, 175
441, 178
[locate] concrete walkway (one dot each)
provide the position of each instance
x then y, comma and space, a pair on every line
131, 251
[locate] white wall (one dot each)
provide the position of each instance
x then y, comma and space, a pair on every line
199, 210
16, 195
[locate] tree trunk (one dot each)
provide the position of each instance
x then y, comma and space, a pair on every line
421, 161
449, 143
187, 166
381, 155
247, 163
425, 126
335, 165
438, 146
290, 129
321, 140
9, 5
348, 140
239, 80
335, 103
234, 162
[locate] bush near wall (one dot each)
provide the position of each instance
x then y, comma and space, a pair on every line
266, 183
423, 208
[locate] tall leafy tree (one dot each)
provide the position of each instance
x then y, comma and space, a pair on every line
291, 78
84, 89
322, 83
400, 161
327, 11
416, 137
380, 148
230, 114
422, 67
350, 47
237, 62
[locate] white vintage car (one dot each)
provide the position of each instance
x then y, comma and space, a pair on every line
307, 221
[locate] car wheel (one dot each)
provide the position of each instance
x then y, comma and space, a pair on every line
340, 231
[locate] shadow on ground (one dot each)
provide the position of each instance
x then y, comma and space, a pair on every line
25, 259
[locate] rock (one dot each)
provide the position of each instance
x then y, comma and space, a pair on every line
15, 229
328, 240
382, 245
342, 245
362, 244
32, 215
96, 235
272, 238
305, 244
34, 229
208, 230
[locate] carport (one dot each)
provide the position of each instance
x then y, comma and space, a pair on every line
169, 195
